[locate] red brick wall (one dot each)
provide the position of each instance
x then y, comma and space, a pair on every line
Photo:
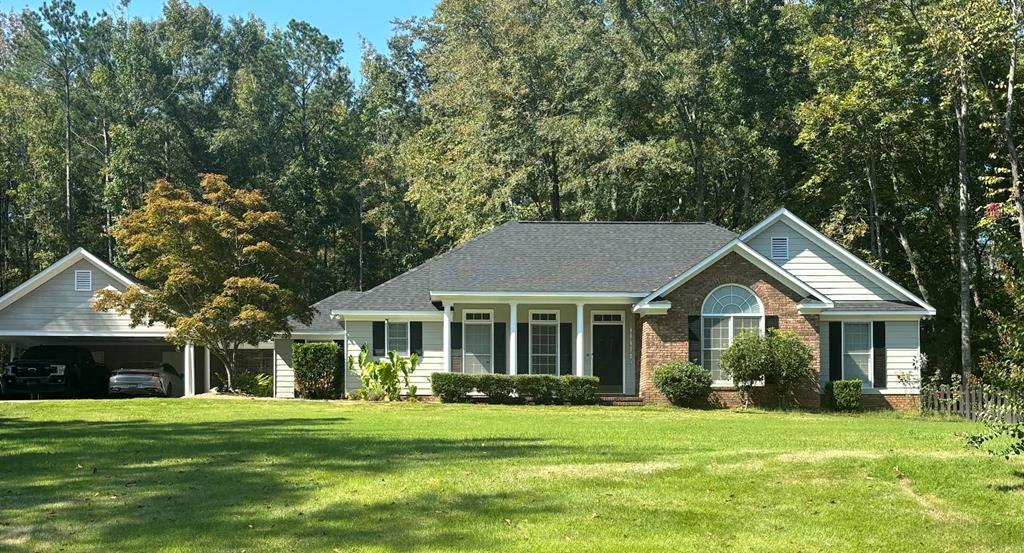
901, 402
665, 337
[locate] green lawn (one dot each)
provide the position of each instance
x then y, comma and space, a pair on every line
224, 475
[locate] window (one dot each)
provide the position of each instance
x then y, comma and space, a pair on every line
477, 342
607, 318
543, 342
398, 338
780, 248
728, 311
857, 352
83, 281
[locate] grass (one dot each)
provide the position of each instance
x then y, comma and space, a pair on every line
224, 475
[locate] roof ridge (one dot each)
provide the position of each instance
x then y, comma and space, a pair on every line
537, 222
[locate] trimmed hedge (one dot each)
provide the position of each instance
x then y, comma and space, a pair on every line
318, 371
541, 389
844, 395
683, 383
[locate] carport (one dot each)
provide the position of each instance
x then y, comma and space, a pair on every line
54, 307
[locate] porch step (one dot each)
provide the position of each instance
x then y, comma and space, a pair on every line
620, 400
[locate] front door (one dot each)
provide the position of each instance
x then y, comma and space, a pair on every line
607, 360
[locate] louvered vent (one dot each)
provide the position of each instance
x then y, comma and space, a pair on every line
780, 248
83, 281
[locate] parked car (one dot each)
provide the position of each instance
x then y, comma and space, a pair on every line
150, 380
55, 370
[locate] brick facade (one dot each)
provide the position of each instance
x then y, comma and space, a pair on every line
900, 402
664, 338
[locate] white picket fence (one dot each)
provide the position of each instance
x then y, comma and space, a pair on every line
969, 401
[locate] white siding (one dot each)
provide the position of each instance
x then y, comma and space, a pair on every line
55, 306
284, 374
816, 266
360, 333
902, 347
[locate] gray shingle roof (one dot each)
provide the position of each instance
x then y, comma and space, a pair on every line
550, 257
322, 321
879, 305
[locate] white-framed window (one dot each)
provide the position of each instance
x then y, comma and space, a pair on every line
728, 311
477, 341
543, 342
398, 337
780, 248
857, 361
83, 281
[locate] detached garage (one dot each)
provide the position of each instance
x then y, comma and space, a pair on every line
54, 307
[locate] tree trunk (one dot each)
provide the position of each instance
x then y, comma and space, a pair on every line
873, 223
1011, 145
551, 163
106, 188
963, 223
700, 183
67, 162
901, 233
360, 222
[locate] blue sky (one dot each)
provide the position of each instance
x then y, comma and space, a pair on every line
345, 19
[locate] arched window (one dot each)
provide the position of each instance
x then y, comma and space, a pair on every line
728, 310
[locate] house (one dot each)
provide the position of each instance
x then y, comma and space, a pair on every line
616, 300
54, 307
612, 300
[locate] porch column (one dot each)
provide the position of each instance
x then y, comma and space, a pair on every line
190, 372
446, 338
206, 369
579, 339
513, 326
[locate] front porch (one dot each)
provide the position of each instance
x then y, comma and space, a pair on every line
596, 336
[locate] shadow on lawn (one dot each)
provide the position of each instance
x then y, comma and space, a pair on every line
229, 485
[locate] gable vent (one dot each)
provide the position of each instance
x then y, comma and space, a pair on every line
780, 248
83, 281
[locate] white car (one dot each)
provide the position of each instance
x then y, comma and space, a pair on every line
153, 380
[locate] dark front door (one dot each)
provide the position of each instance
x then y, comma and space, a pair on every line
608, 357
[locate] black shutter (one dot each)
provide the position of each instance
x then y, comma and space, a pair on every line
456, 336
565, 348
378, 339
835, 351
523, 348
878, 342
771, 321
499, 348
693, 322
416, 338
342, 362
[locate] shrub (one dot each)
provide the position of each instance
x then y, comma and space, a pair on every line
844, 395
254, 383
497, 387
786, 363
744, 362
318, 372
683, 383
452, 387
578, 390
541, 389
383, 379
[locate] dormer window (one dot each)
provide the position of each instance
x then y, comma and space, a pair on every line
780, 248
83, 281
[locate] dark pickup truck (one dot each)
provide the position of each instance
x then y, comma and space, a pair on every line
55, 370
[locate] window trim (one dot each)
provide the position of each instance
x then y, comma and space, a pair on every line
732, 330
529, 343
83, 272
490, 342
870, 382
625, 340
771, 245
387, 338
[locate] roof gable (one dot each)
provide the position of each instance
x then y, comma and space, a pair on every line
62, 264
863, 273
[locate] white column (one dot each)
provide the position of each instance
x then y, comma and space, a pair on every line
446, 338
190, 373
14, 350
579, 339
513, 326
206, 369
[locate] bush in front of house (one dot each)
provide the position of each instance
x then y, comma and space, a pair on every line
787, 364
844, 395
497, 387
452, 387
541, 389
318, 373
579, 390
683, 383
254, 383
743, 361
